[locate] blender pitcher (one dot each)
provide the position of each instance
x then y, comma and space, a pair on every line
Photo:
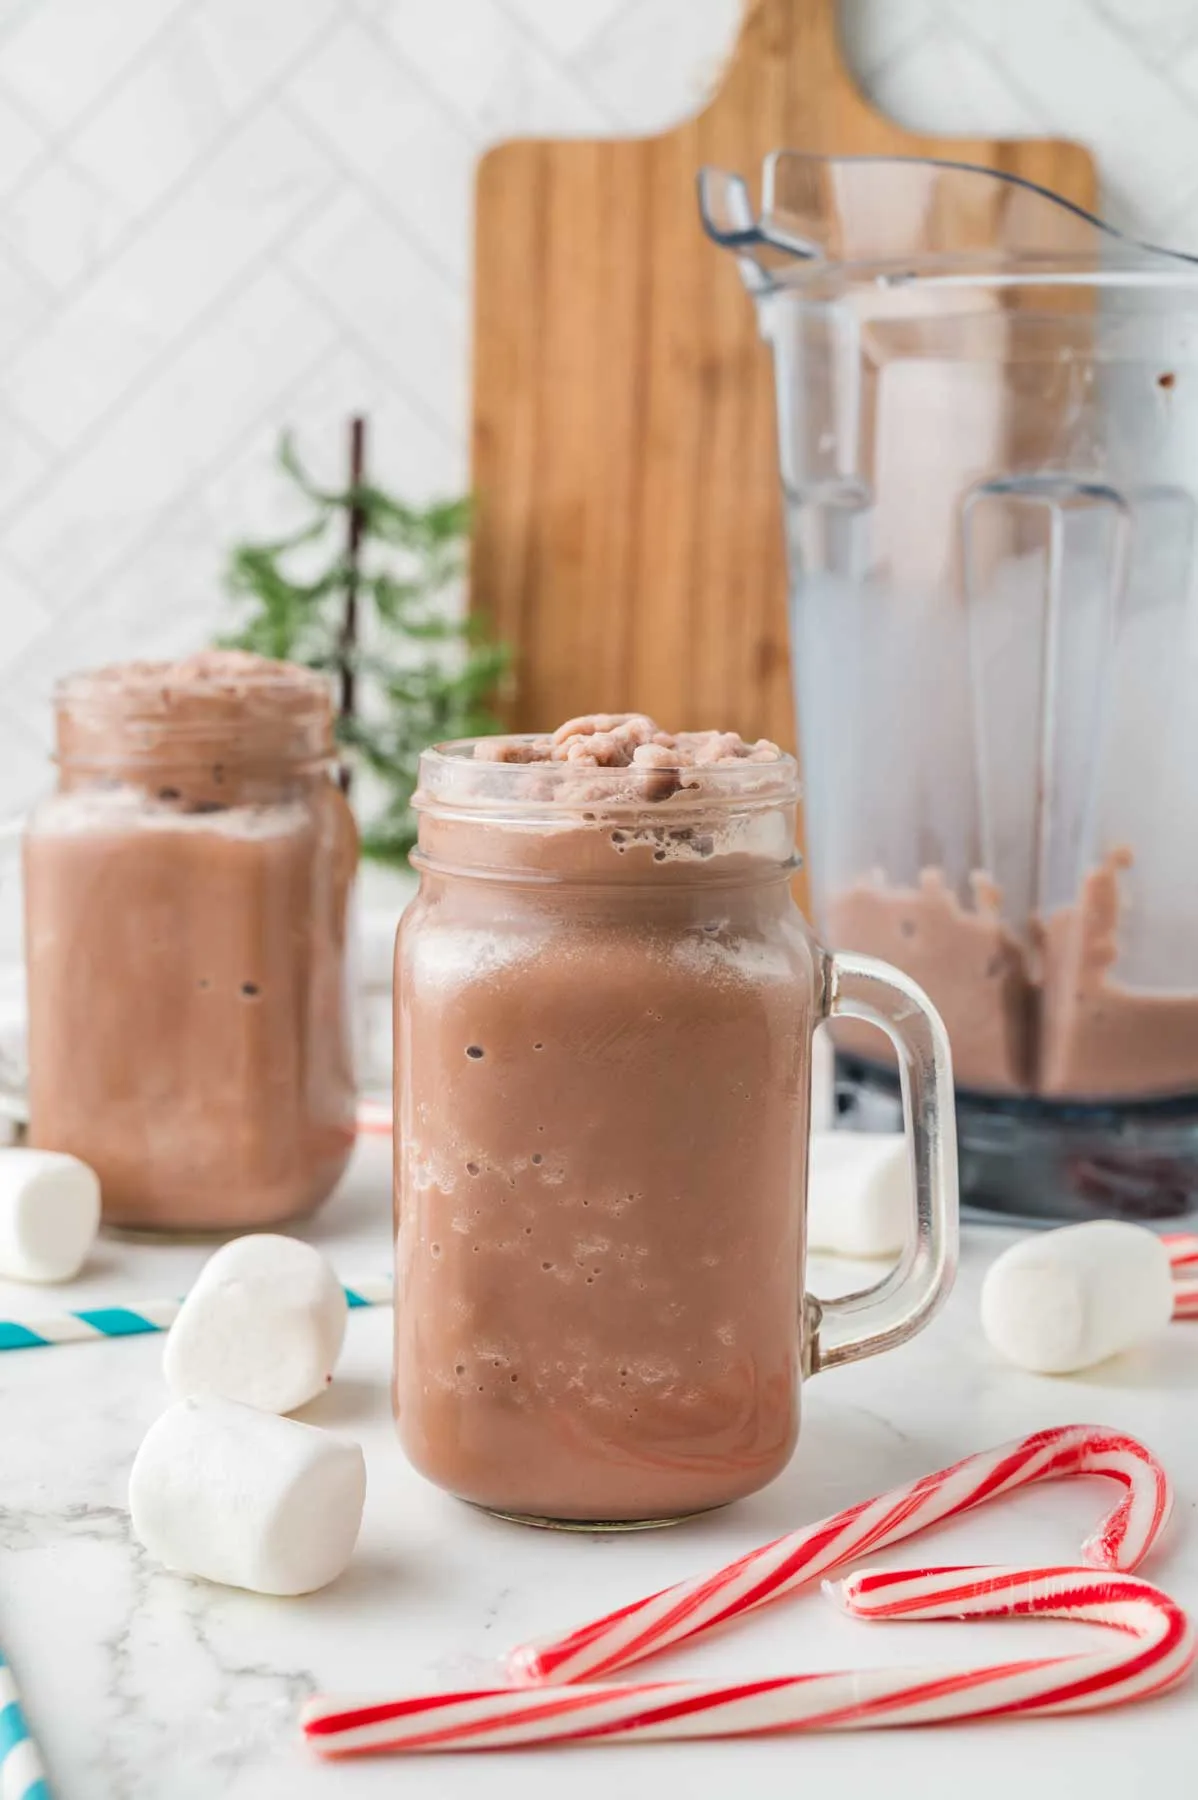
987, 410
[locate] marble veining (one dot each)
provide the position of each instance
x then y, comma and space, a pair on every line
141, 1684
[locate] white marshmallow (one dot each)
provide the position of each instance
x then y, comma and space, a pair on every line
859, 1193
1064, 1300
246, 1498
49, 1214
263, 1324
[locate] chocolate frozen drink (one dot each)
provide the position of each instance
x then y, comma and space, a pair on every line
604, 1001
186, 901
1043, 1015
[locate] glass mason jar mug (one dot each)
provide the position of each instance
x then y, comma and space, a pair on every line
186, 896
605, 1000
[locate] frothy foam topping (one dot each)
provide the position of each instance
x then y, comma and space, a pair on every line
220, 707
628, 740
213, 677
606, 760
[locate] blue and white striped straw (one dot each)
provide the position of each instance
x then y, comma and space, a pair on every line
22, 1776
84, 1327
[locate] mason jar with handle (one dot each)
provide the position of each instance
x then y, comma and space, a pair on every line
604, 1008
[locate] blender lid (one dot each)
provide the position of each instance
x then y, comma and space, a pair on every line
900, 220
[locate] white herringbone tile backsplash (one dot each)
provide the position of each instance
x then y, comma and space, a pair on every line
218, 217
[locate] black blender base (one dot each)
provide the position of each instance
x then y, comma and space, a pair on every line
1042, 1162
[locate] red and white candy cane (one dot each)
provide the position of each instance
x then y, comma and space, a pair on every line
1157, 1650
1183, 1259
647, 1626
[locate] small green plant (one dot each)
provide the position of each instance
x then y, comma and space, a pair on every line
360, 590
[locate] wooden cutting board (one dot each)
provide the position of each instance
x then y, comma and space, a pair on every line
629, 538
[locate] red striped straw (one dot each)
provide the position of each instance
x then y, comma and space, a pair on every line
374, 1118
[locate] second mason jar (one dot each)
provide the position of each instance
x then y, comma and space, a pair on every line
605, 999
186, 895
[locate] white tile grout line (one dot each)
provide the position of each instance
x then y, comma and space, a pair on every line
1159, 61
137, 228
349, 333
369, 188
897, 54
416, 75
954, 25
132, 551
159, 363
16, 425
563, 66
202, 478
1140, 224
11, 24
58, 141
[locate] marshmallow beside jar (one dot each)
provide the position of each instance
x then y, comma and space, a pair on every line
49, 1214
224, 1487
263, 1324
1061, 1301
246, 1498
858, 1193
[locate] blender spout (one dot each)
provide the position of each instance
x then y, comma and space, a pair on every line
898, 219
730, 221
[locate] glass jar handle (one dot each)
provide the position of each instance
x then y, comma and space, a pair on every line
894, 1309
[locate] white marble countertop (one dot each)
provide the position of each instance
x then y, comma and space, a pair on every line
141, 1684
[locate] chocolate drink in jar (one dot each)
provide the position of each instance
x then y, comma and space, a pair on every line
605, 997
1046, 1017
187, 892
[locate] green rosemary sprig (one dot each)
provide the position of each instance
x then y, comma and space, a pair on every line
415, 671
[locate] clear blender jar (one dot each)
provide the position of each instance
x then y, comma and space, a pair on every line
987, 414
